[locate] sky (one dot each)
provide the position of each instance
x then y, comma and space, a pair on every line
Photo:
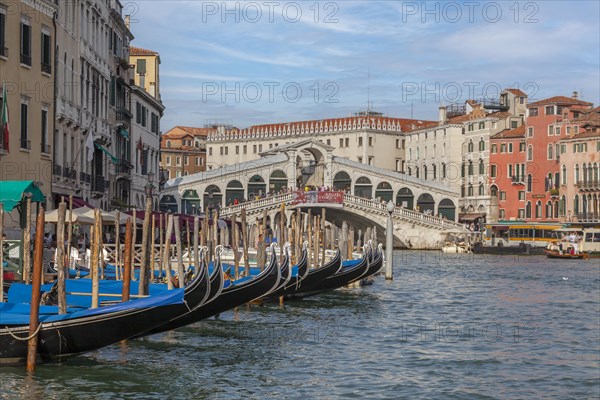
260, 62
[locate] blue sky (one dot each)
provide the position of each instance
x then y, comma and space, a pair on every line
273, 61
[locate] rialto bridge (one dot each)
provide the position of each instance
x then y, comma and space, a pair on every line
424, 210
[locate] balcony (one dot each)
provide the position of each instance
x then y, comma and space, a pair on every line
123, 167
554, 193
25, 144
99, 185
57, 170
518, 180
84, 178
588, 217
123, 115
46, 68
26, 59
3, 51
589, 186
45, 148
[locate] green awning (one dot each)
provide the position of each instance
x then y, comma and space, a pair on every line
114, 159
123, 132
12, 192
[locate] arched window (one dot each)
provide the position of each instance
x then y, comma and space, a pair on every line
528, 210
482, 125
563, 206
481, 167
530, 153
481, 145
529, 182
470, 190
576, 204
538, 209
549, 209
481, 189
470, 146
584, 173
564, 174
550, 150
424, 171
443, 170
409, 155
168, 144
470, 168
576, 174
434, 171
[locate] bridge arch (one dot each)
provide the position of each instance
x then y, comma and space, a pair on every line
234, 191
447, 209
168, 203
405, 198
277, 181
363, 187
256, 186
190, 202
425, 202
384, 191
342, 181
213, 198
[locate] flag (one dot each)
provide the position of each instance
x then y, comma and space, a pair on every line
89, 146
4, 118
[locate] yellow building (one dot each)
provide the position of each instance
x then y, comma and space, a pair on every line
27, 75
146, 73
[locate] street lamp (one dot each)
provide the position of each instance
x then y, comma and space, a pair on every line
389, 242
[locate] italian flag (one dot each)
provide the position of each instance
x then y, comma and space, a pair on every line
4, 118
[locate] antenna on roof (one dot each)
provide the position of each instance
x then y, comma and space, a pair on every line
411, 110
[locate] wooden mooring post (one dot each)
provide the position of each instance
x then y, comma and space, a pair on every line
96, 256
144, 264
60, 259
167, 251
127, 262
245, 242
27, 243
34, 306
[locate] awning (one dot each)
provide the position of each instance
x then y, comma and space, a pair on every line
470, 216
12, 192
123, 132
77, 201
114, 159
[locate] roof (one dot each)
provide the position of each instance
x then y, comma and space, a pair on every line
517, 92
562, 100
182, 131
510, 133
137, 51
468, 117
583, 135
12, 192
372, 122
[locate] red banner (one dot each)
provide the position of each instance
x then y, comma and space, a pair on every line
312, 197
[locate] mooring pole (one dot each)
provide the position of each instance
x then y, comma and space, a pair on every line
389, 242
36, 282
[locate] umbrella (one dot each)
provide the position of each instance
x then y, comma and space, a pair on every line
52, 217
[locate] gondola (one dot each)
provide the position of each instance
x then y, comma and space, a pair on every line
298, 274
317, 275
375, 263
234, 293
82, 330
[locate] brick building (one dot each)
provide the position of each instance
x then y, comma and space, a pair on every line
183, 151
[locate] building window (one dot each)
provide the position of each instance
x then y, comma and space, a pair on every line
530, 131
529, 182
502, 195
481, 167
25, 42
254, 149
510, 147
359, 159
550, 151
25, 143
522, 146
259, 148
510, 170
397, 143
470, 190
443, 170
482, 125
530, 153
210, 151
470, 146
481, 189
44, 129
470, 168
494, 148
370, 160
549, 110
521, 213
360, 140
3, 50
533, 112
398, 165
557, 130
576, 174
221, 150
538, 209
168, 160
186, 160
178, 161
521, 195
564, 174
347, 141
462, 191
328, 142
341, 142
481, 145
226, 150
503, 148
245, 149
46, 52
237, 150
502, 214
493, 170
528, 210
514, 124
371, 141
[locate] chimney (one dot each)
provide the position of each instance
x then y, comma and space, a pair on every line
127, 19
442, 115
575, 94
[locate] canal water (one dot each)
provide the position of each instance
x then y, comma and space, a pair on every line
447, 327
